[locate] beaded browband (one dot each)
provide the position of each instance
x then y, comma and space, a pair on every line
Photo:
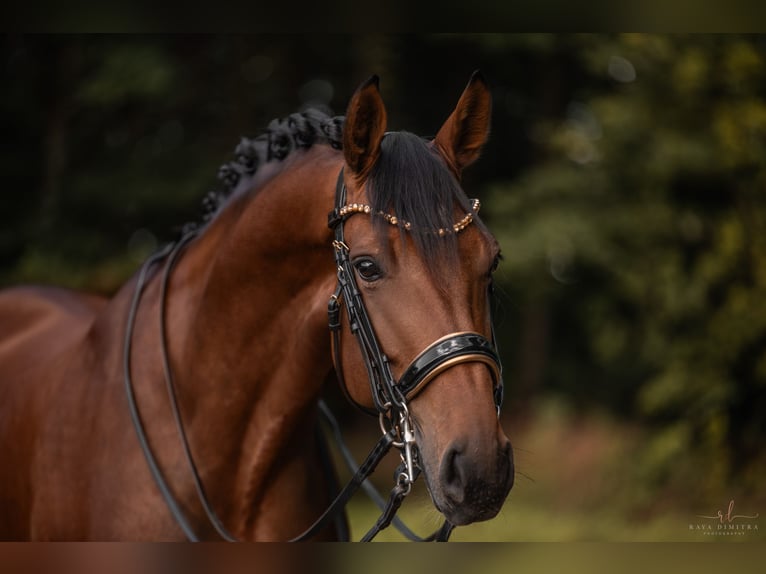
351, 208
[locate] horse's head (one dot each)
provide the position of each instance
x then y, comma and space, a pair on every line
423, 263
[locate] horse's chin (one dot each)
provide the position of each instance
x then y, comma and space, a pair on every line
460, 518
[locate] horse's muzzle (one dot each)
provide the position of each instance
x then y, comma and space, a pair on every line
471, 491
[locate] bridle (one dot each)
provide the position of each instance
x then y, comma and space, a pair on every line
387, 393
390, 396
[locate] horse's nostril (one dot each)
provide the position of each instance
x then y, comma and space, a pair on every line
452, 474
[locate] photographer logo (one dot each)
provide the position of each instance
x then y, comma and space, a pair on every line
726, 523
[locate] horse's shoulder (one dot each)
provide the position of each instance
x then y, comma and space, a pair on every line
39, 322
37, 302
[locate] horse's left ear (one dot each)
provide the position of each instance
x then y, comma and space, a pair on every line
364, 128
464, 133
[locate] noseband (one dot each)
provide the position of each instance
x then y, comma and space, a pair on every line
391, 396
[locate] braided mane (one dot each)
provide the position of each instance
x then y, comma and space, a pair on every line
297, 131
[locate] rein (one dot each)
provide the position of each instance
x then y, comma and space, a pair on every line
361, 472
390, 396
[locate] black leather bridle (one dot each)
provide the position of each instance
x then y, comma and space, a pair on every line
446, 352
390, 396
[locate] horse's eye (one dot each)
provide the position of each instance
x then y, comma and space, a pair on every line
368, 269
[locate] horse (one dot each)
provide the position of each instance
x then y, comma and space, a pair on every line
228, 331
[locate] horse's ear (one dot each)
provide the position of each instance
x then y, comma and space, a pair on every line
364, 128
464, 133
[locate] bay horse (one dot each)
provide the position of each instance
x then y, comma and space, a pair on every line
229, 332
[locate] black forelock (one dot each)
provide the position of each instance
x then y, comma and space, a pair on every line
409, 180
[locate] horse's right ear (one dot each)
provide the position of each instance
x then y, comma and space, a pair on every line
364, 128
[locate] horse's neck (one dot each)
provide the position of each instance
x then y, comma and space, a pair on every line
247, 332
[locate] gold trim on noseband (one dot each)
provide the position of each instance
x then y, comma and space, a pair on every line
351, 208
468, 358
472, 358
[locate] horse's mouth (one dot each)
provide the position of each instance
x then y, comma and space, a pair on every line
480, 500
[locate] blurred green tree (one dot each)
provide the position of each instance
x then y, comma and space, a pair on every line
637, 247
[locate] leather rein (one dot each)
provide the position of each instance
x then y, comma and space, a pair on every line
390, 396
